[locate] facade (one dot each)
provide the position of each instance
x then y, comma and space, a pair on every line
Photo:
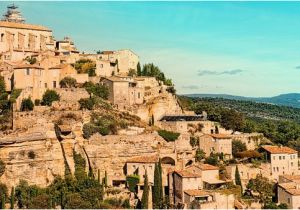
283, 160
288, 191
216, 143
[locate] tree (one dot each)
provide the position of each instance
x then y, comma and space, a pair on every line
67, 82
145, 196
132, 181
168, 135
3, 193
132, 72
2, 201
96, 90
238, 146
157, 196
200, 154
12, 198
139, 70
263, 187
238, 178
50, 96
2, 167
232, 119
27, 105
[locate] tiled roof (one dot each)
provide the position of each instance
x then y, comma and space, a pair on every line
291, 188
107, 52
197, 192
187, 173
292, 178
279, 149
143, 159
23, 26
24, 66
205, 167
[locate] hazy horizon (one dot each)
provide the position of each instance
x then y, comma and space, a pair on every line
235, 48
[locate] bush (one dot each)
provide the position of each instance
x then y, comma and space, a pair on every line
87, 103
89, 129
31, 154
67, 82
97, 90
168, 135
238, 146
212, 159
194, 141
40, 202
200, 154
248, 154
2, 167
132, 181
50, 96
75, 201
27, 105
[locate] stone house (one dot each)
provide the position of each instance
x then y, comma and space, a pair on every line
251, 140
66, 47
288, 191
123, 91
283, 160
125, 60
216, 143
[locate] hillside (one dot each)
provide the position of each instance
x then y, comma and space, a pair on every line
289, 99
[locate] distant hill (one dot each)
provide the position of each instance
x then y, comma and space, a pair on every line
289, 99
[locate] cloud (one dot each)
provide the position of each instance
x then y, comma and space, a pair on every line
226, 72
297, 67
191, 87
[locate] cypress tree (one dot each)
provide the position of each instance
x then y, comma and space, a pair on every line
145, 196
238, 178
12, 198
98, 175
139, 70
157, 193
105, 180
3, 201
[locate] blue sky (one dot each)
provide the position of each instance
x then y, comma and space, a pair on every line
241, 48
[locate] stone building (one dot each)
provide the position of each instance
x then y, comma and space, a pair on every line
19, 39
216, 143
288, 191
283, 160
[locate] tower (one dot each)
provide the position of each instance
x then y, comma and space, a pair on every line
13, 14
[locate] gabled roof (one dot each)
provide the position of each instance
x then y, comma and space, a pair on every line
187, 173
7, 24
205, 167
143, 159
279, 149
291, 188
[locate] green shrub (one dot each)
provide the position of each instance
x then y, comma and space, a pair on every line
3, 194
200, 154
67, 82
50, 96
96, 90
87, 103
238, 146
14, 95
248, 154
27, 105
212, 159
132, 181
194, 141
42, 201
75, 201
2, 167
168, 135
89, 129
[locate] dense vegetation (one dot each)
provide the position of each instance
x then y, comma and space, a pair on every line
151, 70
27, 104
96, 90
278, 123
85, 66
49, 97
67, 82
168, 135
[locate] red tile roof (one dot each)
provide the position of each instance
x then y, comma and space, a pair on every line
279, 149
291, 188
143, 159
205, 167
187, 174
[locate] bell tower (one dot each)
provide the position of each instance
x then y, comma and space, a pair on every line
13, 14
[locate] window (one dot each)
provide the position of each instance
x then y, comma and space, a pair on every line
283, 157
54, 84
2, 37
273, 157
27, 71
292, 163
279, 157
139, 95
277, 169
46, 85
289, 200
101, 65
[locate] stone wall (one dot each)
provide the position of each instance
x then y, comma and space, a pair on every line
72, 94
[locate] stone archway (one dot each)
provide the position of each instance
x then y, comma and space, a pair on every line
168, 160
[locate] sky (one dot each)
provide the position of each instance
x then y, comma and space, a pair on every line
238, 48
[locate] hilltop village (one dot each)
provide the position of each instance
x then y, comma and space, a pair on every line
83, 130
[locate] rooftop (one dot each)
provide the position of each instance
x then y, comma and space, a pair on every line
279, 149
7, 24
205, 167
25, 66
197, 193
291, 188
115, 79
143, 159
186, 173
